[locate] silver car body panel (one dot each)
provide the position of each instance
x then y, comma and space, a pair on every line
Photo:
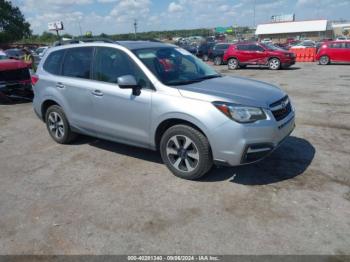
119, 116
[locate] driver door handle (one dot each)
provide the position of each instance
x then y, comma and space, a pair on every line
97, 92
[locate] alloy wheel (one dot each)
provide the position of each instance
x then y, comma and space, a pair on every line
324, 60
182, 153
56, 125
274, 64
232, 64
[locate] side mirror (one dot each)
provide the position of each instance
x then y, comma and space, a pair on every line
129, 82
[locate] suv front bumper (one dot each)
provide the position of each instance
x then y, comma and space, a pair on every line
236, 144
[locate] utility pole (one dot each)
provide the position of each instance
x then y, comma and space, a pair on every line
135, 27
254, 13
81, 33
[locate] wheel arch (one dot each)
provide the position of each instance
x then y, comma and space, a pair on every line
232, 57
272, 57
167, 123
45, 105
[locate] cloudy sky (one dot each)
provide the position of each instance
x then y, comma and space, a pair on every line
116, 16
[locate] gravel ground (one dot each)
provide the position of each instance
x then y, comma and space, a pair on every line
98, 197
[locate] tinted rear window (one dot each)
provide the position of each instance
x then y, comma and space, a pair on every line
242, 47
338, 45
53, 62
77, 62
221, 47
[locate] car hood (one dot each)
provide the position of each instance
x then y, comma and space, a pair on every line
237, 90
11, 64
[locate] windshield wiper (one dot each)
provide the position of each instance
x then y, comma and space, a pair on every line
191, 81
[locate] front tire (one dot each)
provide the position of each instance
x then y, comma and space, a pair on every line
324, 60
58, 126
274, 64
205, 58
232, 64
186, 152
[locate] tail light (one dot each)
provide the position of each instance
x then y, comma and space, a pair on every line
35, 79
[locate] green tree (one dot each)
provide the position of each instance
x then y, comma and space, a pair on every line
12, 23
48, 37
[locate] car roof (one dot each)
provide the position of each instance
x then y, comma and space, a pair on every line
133, 45
246, 43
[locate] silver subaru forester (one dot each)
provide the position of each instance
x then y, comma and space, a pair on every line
160, 97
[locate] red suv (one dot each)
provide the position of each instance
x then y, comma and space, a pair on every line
334, 51
15, 80
243, 54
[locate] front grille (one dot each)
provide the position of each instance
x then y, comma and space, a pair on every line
281, 108
15, 75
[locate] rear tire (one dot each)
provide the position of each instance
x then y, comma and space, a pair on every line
205, 58
324, 60
274, 64
232, 64
186, 152
58, 126
217, 61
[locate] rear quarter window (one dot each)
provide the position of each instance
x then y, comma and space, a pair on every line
53, 62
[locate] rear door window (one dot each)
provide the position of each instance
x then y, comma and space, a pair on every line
242, 47
253, 48
77, 62
53, 62
336, 45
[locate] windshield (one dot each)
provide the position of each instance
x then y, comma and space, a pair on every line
175, 66
271, 47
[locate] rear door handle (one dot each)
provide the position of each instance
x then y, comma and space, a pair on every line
97, 92
60, 85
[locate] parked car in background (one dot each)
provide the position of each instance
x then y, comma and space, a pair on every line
14, 79
342, 38
218, 52
41, 51
3, 55
190, 47
305, 44
266, 41
284, 46
243, 54
333, 52
15, 53
194, 116
205, 50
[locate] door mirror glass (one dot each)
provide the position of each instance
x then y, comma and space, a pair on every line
127, 81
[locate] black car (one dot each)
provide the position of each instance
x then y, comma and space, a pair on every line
15, 53
204, 50
218, 52
192, 48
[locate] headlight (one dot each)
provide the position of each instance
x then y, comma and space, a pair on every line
239, 113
